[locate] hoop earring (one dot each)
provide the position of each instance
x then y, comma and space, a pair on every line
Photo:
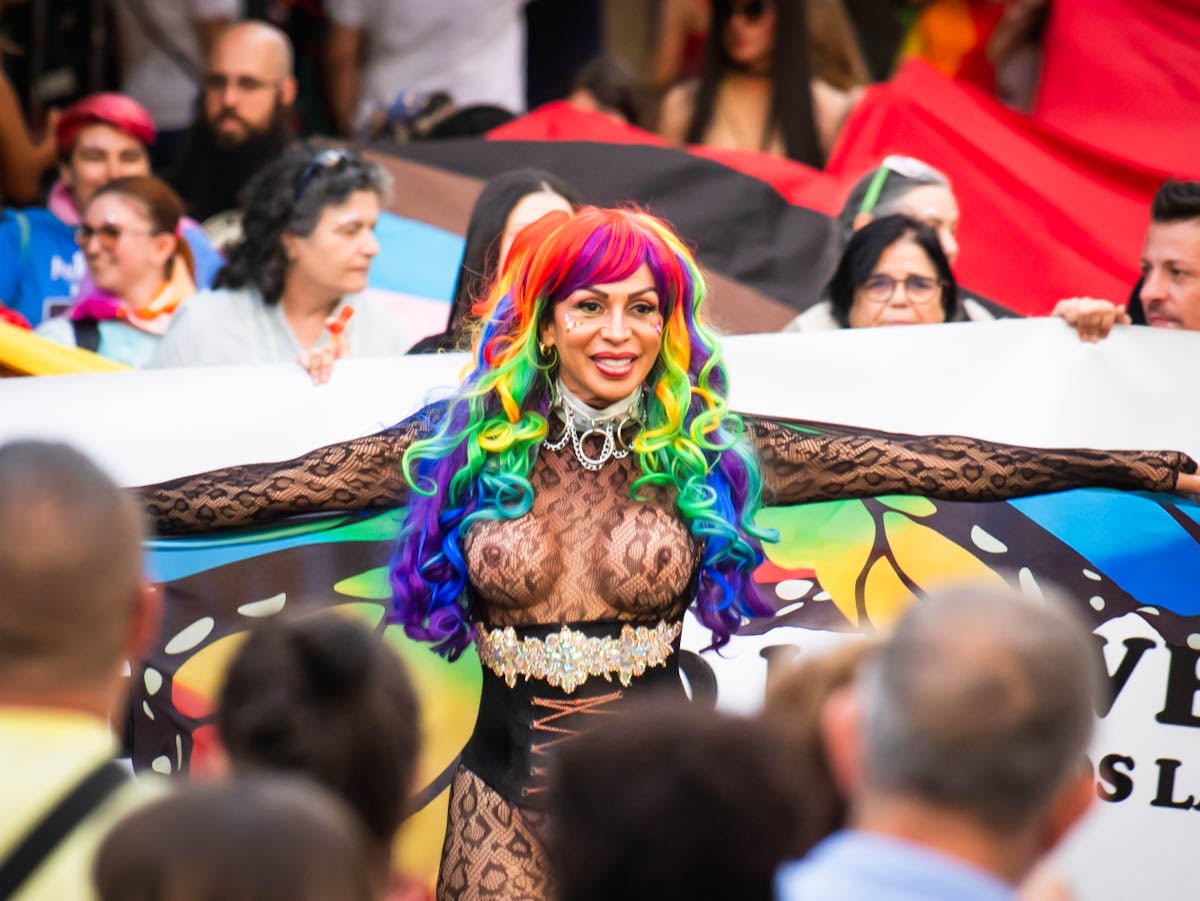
548, 354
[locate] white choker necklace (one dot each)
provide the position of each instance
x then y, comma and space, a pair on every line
606, 425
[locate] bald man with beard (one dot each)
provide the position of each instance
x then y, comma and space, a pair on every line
244, 120
74, 609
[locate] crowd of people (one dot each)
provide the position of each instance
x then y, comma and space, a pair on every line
585, 487
100, 285
838, 788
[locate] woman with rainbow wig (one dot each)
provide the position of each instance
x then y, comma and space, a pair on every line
584, 488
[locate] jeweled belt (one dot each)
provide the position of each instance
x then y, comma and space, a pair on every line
568, 658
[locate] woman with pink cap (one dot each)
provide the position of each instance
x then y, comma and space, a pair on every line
100, 138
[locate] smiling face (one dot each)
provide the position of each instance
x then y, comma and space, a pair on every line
608, 337
1171, 273
101, 154
915, 297
120, 246
334, 259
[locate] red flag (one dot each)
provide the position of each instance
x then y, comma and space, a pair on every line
1043, 216
1125, 75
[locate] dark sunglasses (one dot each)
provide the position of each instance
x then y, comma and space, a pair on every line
332, 160
108, 234
750, 9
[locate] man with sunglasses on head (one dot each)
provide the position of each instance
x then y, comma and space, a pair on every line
295, 287
243, 118
99, 138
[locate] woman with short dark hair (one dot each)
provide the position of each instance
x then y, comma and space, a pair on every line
900, 185
893, 273
290, 290
709, 806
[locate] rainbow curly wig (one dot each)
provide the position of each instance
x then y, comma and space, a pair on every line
477, 463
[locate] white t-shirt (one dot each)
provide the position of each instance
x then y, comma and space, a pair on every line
474, 49
150, 75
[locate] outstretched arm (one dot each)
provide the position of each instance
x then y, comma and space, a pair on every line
361, 474
804, 462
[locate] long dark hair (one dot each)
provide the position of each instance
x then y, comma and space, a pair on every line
867, 246
481, 255
287, 197
791, 81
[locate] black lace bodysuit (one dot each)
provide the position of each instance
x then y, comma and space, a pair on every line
589, 555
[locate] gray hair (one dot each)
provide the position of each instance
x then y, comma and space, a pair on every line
288, 195
881, 191
981, 701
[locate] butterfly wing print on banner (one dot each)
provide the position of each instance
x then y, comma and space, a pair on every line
841, 565
856, 564
216, 589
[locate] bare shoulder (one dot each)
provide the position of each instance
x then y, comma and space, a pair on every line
831, 107
675, 113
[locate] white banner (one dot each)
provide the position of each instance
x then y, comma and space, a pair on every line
1019, 381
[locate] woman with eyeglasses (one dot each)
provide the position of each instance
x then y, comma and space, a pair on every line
757, 89
901, 185
893, 272
140, 271
908, 186
292, 290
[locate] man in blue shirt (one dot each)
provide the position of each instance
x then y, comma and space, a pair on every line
102, 137
961, 748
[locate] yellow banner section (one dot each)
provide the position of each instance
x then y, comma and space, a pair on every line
24, 353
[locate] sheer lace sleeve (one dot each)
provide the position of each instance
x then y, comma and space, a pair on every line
354, 475
805, 462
